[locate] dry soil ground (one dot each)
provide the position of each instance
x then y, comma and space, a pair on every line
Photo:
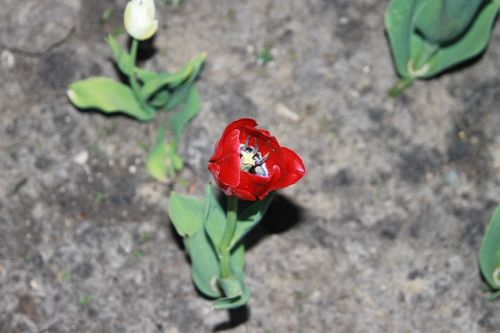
382, 234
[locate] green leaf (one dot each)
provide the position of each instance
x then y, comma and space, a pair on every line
441, 21
235, 290
122, 58
160, 99
178, 96
189, 71
238, 259
124, 61
188, 111
108, 96
489, 253
174, 161
494, 296
473, 42
155, 164
204, 264
250, 217
398, 24
186, 214
214, 218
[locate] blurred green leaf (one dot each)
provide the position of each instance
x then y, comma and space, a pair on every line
108, 96
178, 96
160, 99
264, 57
188, 111
473, 42
174, 160
235, 291
398, 18
189, 71
156, 164
214, 218
186, 214
489, 253
122, 58
106, 15
250, 217
441, 21
124, 61
204, 262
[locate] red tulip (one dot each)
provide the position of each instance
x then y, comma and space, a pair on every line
248, 162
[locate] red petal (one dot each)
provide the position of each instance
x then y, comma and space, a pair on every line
292, 167
225, 163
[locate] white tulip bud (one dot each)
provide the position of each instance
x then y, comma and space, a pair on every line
139, 19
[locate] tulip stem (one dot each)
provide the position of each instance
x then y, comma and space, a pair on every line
224, 248
132, 78
400, 86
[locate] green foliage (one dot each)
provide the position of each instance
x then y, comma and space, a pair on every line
250, 217
186, 214
148, 93
429, 36
489, 254
440, 21
163, 160
108, 96
202, 223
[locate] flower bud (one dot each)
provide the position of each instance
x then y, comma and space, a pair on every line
139, 19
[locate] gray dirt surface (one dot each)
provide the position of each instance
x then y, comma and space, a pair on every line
382, 235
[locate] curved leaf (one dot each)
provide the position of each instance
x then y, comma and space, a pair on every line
155, 165
188, 72
107, 95
235, 290
398, 24
250, 217
473, 42
204, 263
489, 253
186, 214
188, 111
214, 218
441, 21
124, 61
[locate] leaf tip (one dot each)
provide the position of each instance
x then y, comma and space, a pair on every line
71, 95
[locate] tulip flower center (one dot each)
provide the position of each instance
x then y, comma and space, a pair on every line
251, 160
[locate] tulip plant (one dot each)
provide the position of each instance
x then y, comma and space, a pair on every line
429, 36
248, 164
148, 92
489, 254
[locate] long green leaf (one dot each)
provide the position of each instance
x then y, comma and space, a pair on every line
124, 61
214, 218
122, 58
235, 290
204, 264
155, 165
188, 72
489, 253
108, 96
250, 217
398, 24
473, 42
186, 214
188, 111
441, 21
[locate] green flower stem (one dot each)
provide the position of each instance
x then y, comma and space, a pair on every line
400, 86
132, 78
224, 249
